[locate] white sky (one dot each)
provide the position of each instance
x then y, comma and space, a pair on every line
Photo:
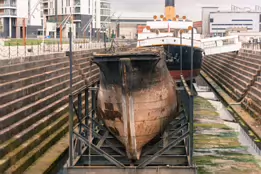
190, 8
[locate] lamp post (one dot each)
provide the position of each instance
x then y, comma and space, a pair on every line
181, 52
71, 103
191, 99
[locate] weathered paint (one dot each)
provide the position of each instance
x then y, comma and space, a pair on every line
136, 98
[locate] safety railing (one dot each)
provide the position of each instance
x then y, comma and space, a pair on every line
187, 100
36, 48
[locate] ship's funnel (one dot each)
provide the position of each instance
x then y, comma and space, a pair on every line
170, 10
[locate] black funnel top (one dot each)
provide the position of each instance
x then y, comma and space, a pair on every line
169, 3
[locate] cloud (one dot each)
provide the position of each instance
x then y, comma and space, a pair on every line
190, 8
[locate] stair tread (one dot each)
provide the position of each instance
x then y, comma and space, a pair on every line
34, 76
37, 137
33, 85
240, 69
225, 85
253, 102
34, 94
226, 82
30, 142
21, 74
258, 83
255, 96
38, 150
249, 58
26, 107
247, 62
234, 82
16, 126
248, 67
236, 70
234, 61
45, 75
54, 154
31, 63
253, 56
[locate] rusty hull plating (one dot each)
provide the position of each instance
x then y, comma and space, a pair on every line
136, 98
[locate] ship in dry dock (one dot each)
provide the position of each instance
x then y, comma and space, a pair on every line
137, 95
167, 31
136, 98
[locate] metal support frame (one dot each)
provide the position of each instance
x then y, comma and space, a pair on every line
94, 149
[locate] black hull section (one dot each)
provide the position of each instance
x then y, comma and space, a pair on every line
173, 59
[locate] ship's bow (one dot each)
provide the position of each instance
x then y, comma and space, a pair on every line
136, 98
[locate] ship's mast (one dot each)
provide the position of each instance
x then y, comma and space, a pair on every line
170, 10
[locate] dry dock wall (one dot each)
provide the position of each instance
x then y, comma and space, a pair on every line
34, 104
239, 75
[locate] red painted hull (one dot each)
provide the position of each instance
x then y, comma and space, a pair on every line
175, 74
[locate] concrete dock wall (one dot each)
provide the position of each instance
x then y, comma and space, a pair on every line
239, 75
34, 104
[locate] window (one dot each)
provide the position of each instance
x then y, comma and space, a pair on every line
89, 6
260, 18
67, 2
14, 22
211, 20
260, 27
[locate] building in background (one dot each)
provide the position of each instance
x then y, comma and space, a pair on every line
198, 26
82, 11
217, 22
11, 18
206, 19
128, 25
43, 17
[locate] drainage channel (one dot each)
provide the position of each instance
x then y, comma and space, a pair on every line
228, 147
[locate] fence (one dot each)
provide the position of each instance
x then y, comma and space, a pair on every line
36, 48
252, 46
19, 51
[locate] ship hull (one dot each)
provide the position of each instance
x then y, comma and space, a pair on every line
136, 99
174, 62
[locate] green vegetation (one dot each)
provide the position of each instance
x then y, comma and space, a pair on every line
216, 145
20, 42
211, 126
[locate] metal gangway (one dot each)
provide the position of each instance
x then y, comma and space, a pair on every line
218, 45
